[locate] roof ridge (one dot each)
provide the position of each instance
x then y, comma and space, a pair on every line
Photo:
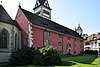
40, 21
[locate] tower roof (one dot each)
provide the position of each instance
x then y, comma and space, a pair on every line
79, 27
42, 2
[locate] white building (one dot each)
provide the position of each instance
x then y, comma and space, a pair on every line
92, 42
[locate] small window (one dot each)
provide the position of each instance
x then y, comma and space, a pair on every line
47, 42
68, 38
60, 36
75, 40
46, 12
95, 42
38, 12
74, 45
47, 33
74, 52
80, 44
99, 44
59, 43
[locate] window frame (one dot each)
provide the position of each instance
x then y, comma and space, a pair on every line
46, 42
47, 33
68, 38
60, 44
7, 39
60, 36
46, 12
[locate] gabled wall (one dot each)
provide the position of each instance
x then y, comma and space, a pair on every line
23, 23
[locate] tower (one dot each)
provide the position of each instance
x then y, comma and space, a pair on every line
43, 9
79, 30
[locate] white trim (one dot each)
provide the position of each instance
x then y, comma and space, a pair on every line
30, 37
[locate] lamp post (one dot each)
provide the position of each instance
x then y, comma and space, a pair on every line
99, 51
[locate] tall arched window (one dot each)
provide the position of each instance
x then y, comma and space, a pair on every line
3, 39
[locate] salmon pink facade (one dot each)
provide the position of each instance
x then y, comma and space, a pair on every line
46, 32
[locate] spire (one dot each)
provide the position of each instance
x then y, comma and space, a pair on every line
42, 1
19, 5
79, 27
79, 30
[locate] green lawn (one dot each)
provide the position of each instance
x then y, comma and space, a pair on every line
81, 61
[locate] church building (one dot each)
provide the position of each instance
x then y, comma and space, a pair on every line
39, 30
10, 35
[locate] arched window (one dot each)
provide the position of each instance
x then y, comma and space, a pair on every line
3, 39
16, 45
68, 48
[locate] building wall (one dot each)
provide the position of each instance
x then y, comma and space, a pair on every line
24, 23
12, 31
94, 45
39, 37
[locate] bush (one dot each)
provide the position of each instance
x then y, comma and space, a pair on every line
48, 56
43, 56
22, 56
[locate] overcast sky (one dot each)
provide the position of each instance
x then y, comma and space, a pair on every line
65, 12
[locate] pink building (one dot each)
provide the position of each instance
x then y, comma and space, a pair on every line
39, 30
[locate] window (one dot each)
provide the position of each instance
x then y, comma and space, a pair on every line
68, 38
99, 44
60, 36
80, 44
16, 42
74, 52
75, 40
59, 44
74, 45
47, 42
38, 12
47, 33
69, 45
46, 12
4, 39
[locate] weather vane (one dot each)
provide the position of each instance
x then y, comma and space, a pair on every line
19, 4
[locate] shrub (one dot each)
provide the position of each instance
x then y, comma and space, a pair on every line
43, 56
48, 56
22, 56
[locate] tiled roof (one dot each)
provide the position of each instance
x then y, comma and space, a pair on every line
5, 18
92, 37
48, 24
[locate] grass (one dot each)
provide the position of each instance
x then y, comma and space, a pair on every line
81, 61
